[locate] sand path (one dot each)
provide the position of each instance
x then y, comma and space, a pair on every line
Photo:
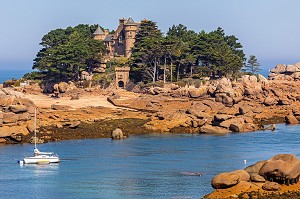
45, 101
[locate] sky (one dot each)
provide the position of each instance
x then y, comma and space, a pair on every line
268, 29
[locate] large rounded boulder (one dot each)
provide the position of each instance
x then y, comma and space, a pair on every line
229, 179
282, 168
63, 87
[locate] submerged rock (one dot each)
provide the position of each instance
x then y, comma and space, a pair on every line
117, 134
271, 127
191, 173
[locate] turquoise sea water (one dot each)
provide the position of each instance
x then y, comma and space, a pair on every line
146, 167
9, 74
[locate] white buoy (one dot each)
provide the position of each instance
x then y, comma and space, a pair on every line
245, 161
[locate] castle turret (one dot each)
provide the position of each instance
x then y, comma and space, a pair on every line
130, 29
99, 34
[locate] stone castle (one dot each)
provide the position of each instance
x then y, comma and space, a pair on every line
121, 42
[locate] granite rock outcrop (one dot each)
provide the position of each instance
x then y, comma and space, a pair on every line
16, 113
278, 175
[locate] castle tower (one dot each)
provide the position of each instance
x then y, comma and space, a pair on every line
130, 29
99, 34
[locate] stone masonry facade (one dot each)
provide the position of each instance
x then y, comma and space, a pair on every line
121, 42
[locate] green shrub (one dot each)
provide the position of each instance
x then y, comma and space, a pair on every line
17, 83
34, 75
104, 80
180, 83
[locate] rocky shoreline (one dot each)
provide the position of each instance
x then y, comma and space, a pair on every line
213, 107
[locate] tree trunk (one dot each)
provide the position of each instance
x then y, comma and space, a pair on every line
178, 67
165, 70
157, 71
191, 70
171, 71
154, 71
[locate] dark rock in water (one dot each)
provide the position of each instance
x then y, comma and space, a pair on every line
191, 173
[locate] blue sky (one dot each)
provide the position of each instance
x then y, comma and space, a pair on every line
268, 29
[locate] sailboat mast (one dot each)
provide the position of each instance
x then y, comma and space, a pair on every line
35, 128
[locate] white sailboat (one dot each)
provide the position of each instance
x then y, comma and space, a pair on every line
40, 157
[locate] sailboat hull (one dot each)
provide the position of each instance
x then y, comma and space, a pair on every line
41, 159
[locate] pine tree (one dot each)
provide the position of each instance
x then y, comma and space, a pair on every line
146, 52
252, 64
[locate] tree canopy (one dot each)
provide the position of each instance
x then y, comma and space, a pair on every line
67, 52
180, 53
212, 54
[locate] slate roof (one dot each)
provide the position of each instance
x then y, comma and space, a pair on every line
130, 21
98, 31
109, 37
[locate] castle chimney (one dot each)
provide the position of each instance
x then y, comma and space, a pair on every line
122, 21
